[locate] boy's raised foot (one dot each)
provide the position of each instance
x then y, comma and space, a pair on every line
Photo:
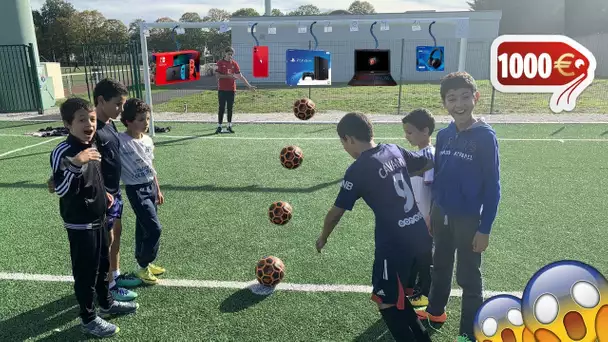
99, 327
145, 274
423, 315
156, 270
123, 295
127, 280
119, 308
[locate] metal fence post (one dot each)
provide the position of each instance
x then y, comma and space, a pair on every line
309, 87
36, 79
492, 100
400, 77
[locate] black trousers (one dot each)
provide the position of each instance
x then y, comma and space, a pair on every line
89, 251
454, 235
420, 278
143, 199
226, 103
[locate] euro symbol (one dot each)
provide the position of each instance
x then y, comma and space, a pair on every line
560, 64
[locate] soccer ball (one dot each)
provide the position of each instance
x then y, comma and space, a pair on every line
291, 157
270, 271
280, 213
304, 109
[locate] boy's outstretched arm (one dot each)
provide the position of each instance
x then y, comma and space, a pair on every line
331, 221
417, 163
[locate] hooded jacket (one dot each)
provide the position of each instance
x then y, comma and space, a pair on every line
467, 175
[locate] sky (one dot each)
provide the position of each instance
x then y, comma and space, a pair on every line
150, 10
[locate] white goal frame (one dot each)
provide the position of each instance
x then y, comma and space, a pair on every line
144, 28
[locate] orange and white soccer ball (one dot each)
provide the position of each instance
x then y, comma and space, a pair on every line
280, 212
291, 157
270, 271
304, 109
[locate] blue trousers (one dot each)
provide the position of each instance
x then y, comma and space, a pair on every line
143, 198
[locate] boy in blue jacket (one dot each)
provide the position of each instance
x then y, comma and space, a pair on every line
466, 193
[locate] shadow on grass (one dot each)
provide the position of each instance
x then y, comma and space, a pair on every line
173, 141
557, 131
250, 188
44, 319
376, 332
240, 300
379, 332
15, 124
212, 188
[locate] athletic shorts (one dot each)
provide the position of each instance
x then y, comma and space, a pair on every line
389, 279
115, 211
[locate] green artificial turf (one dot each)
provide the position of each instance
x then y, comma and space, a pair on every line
217, 191
377, 100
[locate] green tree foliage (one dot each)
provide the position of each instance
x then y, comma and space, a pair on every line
361, 7
246, 12
306, 10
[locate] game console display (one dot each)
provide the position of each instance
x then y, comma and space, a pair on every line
430, 58
308, 67
176, 67
372, 68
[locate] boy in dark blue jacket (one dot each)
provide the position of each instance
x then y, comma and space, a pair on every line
466, 193
83, 201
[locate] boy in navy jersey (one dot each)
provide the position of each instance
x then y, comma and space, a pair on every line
381, 176
466, 193
78, 181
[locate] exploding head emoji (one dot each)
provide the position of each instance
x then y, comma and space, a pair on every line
499, 319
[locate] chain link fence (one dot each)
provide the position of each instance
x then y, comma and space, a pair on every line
414, 89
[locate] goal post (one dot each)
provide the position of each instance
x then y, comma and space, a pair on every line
461, 29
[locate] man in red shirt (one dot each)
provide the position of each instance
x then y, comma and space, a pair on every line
227, 72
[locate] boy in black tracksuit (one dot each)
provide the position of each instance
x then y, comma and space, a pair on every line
83, 201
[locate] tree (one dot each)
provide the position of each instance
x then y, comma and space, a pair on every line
190, 17
192, 39
216, 14
246, 12
134, 29
361, 7
339, 12
57, 33
276, 13
115, 31
305, 10
91, 26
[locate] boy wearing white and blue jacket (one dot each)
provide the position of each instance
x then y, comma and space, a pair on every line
465, 194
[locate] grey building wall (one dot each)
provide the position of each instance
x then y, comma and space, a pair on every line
483, 29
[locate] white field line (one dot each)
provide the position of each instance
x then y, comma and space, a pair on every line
30, 146
323, 122
234, 284
213, 137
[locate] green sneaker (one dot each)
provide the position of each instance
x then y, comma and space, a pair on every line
122, 295
127, 280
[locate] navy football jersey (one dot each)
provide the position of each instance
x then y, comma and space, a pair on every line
381, 176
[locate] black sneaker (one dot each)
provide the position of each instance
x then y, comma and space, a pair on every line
218, 130
230, 129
